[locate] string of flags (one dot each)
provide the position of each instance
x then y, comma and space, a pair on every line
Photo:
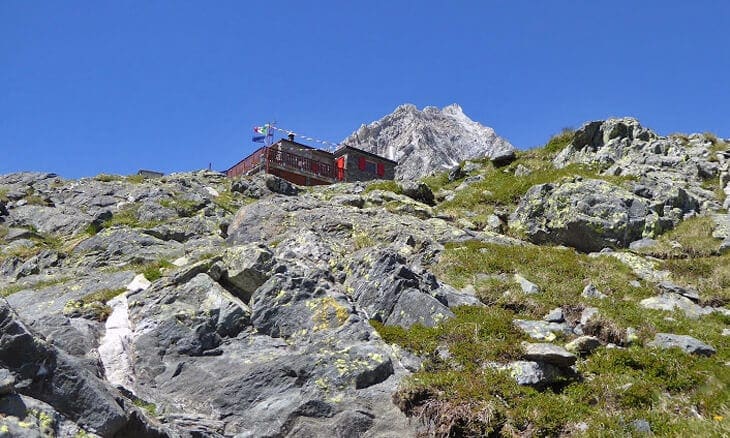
265, 134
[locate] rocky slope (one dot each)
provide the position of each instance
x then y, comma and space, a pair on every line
194, 305
428, 140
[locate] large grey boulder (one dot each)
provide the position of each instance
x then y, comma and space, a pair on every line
586, 214
417, 191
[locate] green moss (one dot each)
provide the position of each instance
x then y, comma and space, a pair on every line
148, 407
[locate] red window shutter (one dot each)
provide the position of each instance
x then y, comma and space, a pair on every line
381, 169
315, 167
340, 168
361, 163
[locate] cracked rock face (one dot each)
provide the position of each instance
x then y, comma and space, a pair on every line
253, 319
428, 140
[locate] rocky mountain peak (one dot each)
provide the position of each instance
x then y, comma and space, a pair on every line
423, 141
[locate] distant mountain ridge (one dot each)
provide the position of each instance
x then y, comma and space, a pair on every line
423, 141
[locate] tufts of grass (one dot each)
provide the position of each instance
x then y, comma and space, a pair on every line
231, 201
4, 194
93, 306
124, 217
135, 179
153, 271
558, 142
103, 177
361, 239
474, 337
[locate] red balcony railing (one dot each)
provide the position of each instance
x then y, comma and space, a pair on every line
303, 164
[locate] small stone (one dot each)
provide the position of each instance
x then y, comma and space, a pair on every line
526, 285
541, 330
671, 301
583, 345
726, 332
641, 426
521, 170
494, 223
549, 353
631, 335
181, 261
140, 282
688, 344
587, 314
642, 244
555, 315
634, 283
590, 291
669, 287
529, 373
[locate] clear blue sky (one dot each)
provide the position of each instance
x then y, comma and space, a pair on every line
102, 86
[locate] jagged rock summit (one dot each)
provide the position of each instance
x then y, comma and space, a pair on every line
428, 140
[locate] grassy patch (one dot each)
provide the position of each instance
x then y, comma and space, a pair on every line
476, 336
153, 271
691, 238
464, 395
135, 179
561, 273
231, 201
127, 216
183, 207
4, 194
42, 241
558, 142
437, 182
389, 186
103, 177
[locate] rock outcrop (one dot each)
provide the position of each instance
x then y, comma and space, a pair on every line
197, 306
429, 140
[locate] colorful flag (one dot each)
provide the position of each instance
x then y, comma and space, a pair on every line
261, 132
